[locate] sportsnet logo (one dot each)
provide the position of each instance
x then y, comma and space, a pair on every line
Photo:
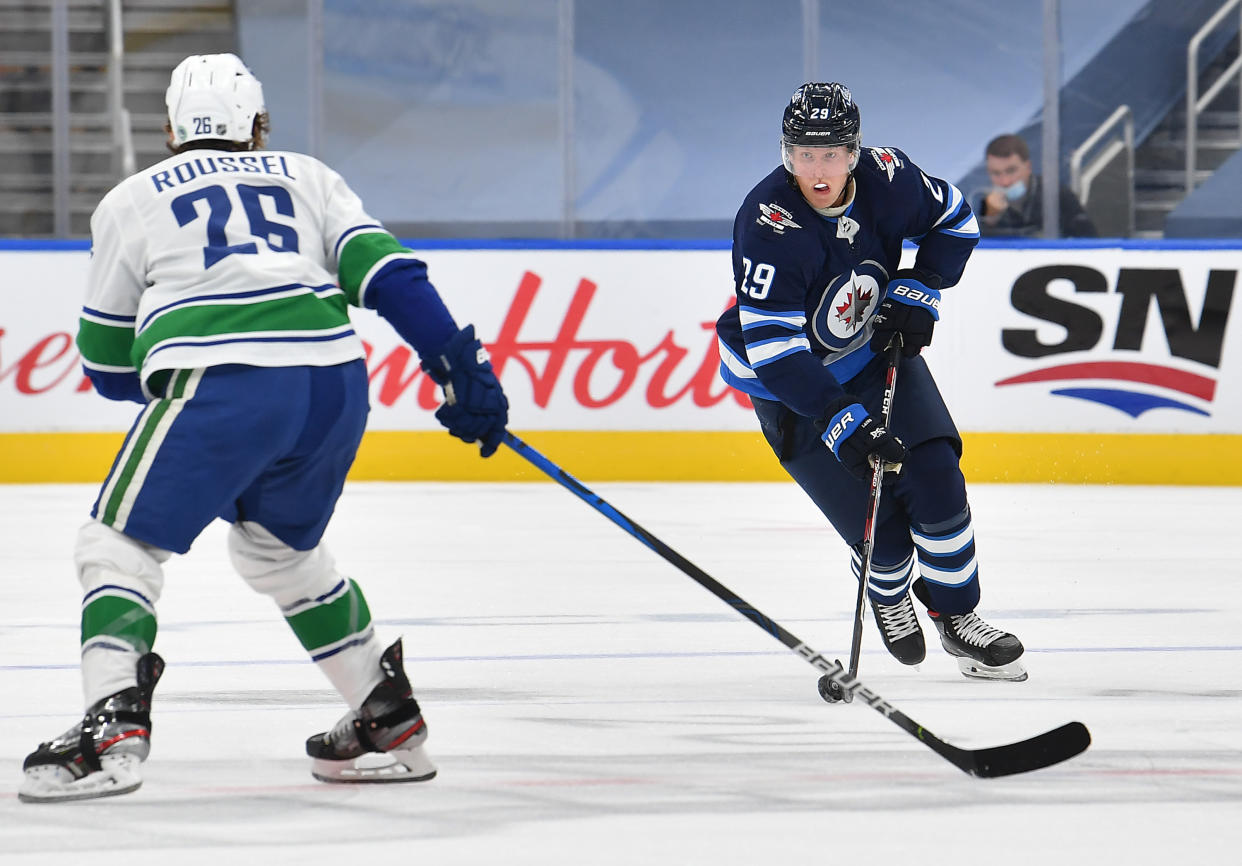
1186, 383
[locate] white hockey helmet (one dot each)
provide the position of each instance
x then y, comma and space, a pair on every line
213, 96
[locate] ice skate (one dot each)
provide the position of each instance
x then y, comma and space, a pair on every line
383, 742
101, 755
983, 652
899, 626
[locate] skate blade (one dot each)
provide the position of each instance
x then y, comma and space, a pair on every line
399, 765
1013, 672
52, 784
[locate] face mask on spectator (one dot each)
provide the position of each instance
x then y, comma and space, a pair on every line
1015, 191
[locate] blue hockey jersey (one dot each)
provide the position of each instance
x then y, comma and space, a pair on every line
808, 285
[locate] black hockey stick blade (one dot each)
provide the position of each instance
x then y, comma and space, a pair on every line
1050, 747
1042, 751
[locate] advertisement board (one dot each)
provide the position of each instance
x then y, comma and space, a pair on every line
611, 354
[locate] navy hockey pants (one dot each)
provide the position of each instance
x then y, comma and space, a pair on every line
928, 499
265, 444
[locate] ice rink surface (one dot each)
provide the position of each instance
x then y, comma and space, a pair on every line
590, 704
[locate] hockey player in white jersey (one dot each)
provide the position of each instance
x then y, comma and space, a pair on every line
217, 298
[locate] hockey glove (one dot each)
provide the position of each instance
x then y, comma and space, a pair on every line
857, 439
475, 407
911, 307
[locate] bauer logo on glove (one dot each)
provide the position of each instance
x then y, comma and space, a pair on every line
918, 295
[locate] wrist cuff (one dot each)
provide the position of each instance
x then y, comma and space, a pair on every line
842, 424
910, 291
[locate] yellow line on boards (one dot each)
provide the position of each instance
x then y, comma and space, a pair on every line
592, 455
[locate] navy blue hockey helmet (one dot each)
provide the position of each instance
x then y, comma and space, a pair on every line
820, 115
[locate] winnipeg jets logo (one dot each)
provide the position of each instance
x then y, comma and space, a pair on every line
777, 217
886, 159
847, 304
853, 306
846, 228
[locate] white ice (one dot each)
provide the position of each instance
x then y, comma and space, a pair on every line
590, 704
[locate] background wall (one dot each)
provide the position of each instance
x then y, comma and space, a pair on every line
647, 118
1082, 362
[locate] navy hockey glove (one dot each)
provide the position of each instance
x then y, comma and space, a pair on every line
911, 308
475, 407
856, 438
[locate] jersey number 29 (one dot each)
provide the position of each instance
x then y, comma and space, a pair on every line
278, 236
758, 284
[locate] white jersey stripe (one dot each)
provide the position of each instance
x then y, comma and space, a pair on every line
753, 319
733, 363
152, 449
766, 351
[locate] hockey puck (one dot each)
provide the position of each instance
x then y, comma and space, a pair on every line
830, 691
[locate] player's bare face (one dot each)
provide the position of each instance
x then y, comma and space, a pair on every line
822, 173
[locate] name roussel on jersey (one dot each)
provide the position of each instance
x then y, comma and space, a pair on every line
200, 166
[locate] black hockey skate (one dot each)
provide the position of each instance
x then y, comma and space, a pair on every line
101, 755
983, 651
383, 742
899, 626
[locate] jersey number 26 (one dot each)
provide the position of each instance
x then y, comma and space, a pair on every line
279, 237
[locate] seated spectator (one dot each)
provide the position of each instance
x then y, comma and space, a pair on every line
1015, 207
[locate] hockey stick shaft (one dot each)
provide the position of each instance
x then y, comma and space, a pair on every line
873, 505
1040, 751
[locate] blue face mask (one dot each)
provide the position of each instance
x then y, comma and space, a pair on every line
1015, 191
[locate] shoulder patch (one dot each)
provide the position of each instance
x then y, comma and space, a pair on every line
886, 159
776, 217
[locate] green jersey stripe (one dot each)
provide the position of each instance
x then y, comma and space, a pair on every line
326, 624
106, 345
305, 312
119, 618
360, 255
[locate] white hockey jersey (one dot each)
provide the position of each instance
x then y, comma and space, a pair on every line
214, 257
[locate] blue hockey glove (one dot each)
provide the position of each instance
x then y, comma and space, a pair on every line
475, 407
857, 439
911, 308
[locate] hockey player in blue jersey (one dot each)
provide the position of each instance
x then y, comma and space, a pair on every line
820, 294
217, 298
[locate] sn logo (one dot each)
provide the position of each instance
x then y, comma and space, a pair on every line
1200, 341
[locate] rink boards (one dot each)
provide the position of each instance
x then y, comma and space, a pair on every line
1069, 362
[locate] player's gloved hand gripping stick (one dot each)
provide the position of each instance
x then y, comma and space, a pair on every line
910, 309
1043, 750
475, 408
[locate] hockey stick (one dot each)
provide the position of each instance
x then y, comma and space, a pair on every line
828, 689
1040, 751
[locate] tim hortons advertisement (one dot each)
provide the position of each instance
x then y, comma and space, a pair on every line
1034, 340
